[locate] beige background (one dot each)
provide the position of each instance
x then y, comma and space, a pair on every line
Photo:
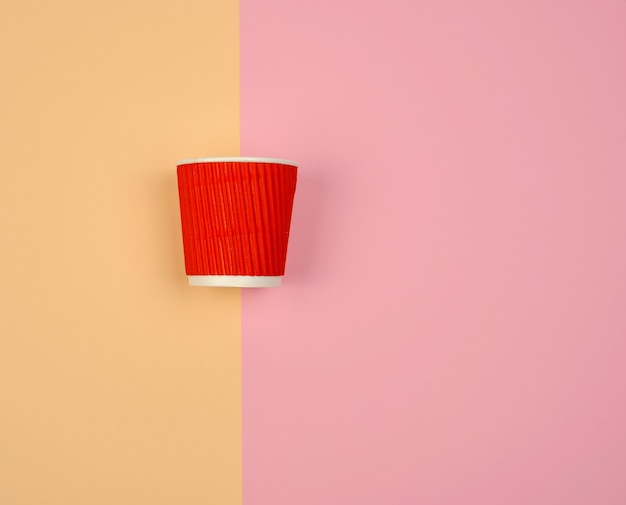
118, 382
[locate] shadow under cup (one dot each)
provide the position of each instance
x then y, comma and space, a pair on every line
236, 215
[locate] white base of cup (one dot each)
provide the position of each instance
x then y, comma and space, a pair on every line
236, 281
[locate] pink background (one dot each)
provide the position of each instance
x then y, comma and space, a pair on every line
451, 329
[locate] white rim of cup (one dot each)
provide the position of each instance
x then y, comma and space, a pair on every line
244, 159
236, 281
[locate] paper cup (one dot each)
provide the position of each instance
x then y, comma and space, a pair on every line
236, 215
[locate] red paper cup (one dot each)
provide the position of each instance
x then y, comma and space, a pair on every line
236, 214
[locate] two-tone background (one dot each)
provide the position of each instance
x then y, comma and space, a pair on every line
452, 326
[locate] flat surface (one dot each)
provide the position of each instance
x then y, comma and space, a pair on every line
119, 383
450, 329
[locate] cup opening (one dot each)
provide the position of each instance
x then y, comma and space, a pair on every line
236, 159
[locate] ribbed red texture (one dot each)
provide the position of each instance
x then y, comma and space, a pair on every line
236, 216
